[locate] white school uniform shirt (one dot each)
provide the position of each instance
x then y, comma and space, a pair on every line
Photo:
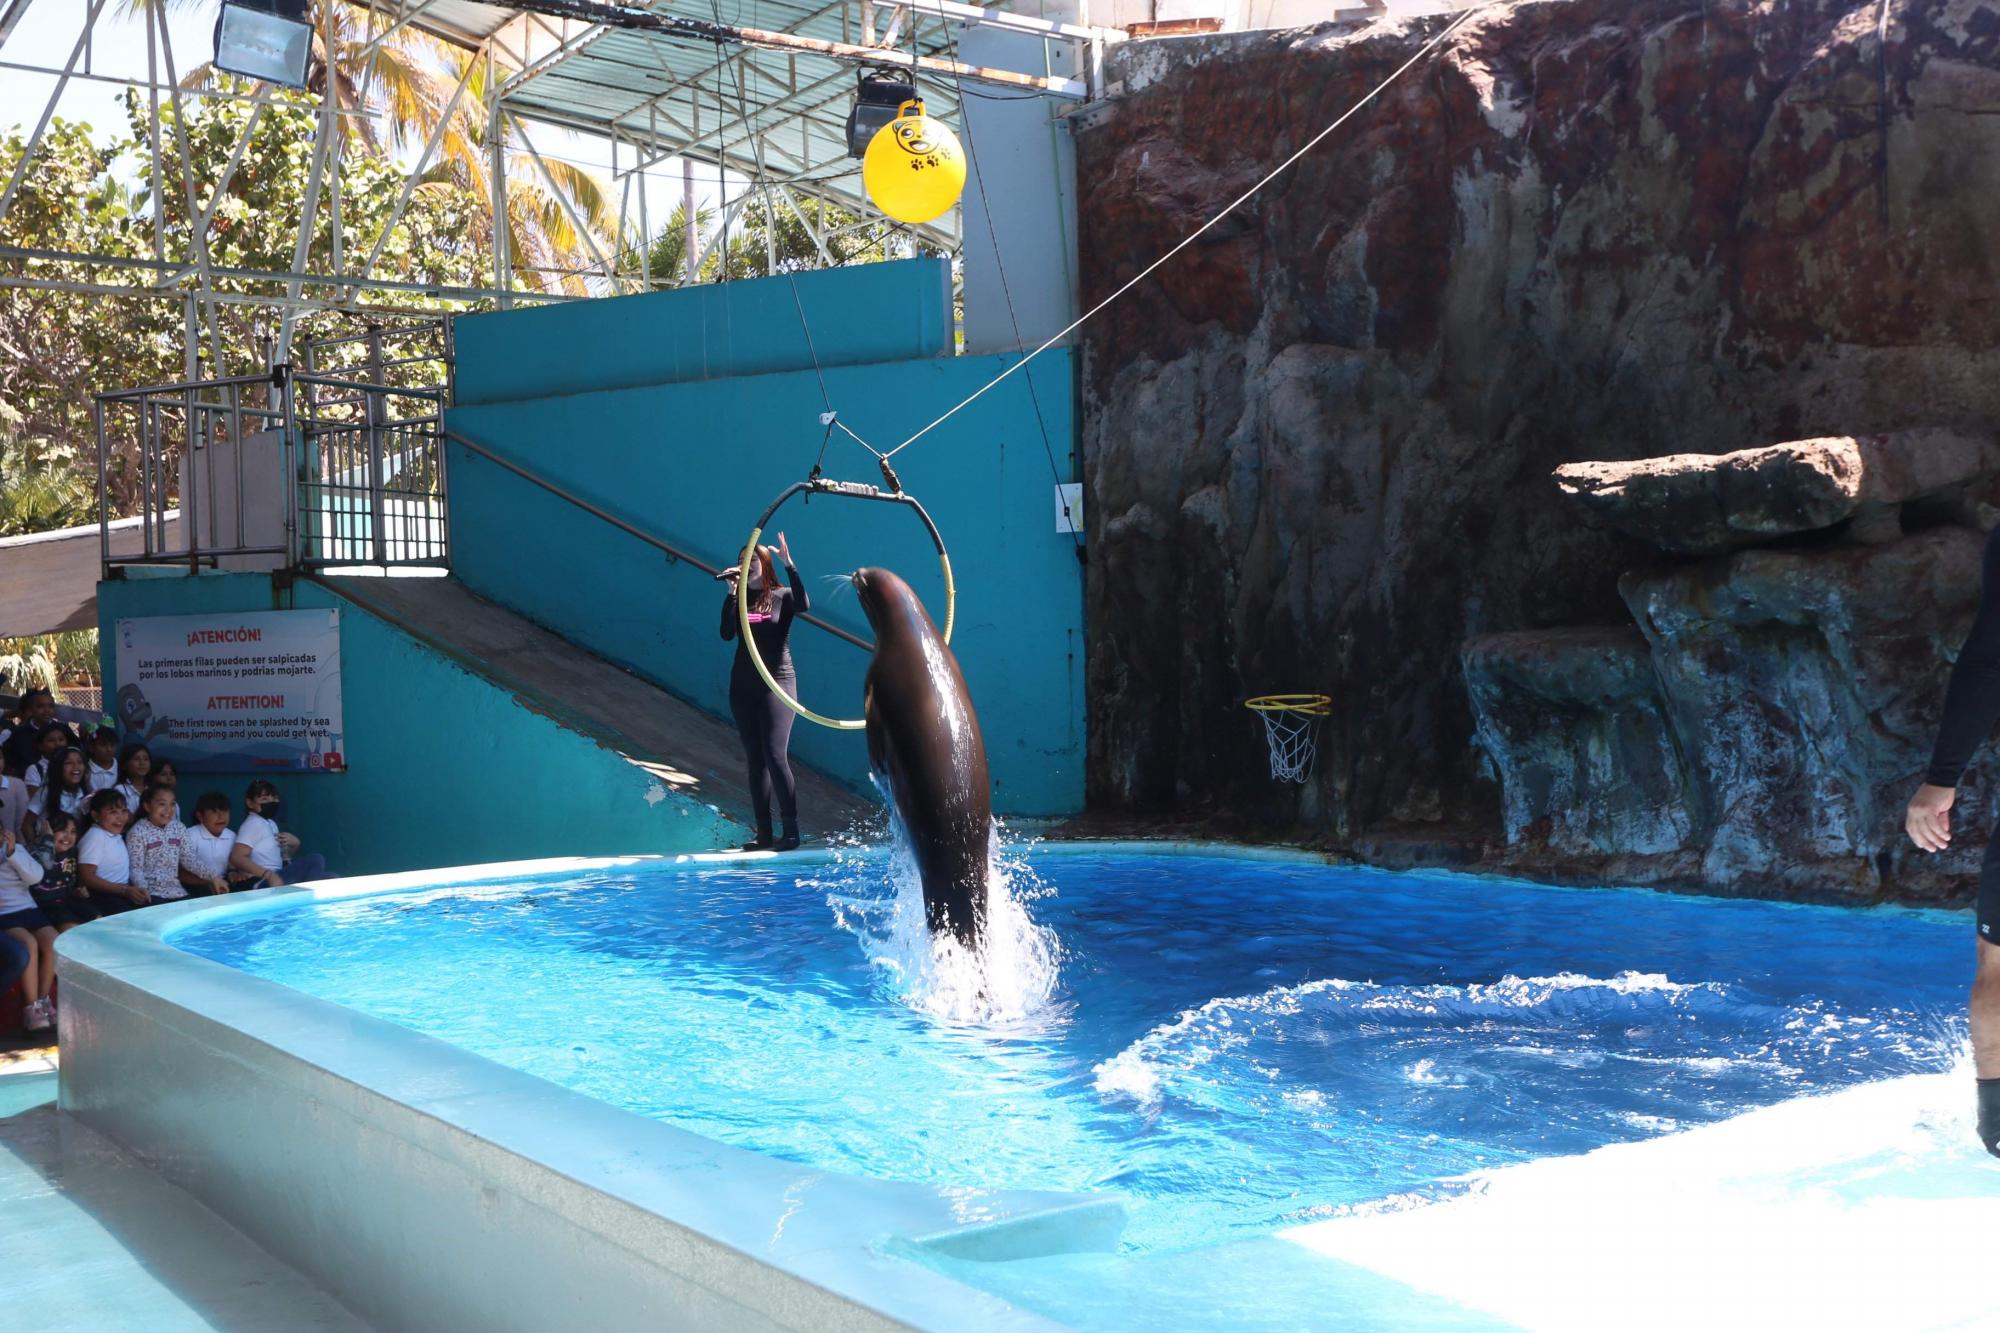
97, 779
106, 851
17, 872
36, 778
260, 835
207, 854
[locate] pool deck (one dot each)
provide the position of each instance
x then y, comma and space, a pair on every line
94, 1241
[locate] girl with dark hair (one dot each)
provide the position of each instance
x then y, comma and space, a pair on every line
763, 721
135, 774
102, 863
68, 789
60, 895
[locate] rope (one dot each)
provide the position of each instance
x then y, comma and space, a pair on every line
1196, 234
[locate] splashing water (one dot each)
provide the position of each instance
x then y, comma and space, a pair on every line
1008, 982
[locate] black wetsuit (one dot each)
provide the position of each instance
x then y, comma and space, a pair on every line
1971, 707
762, 720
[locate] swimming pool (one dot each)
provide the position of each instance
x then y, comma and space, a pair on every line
1233, 1046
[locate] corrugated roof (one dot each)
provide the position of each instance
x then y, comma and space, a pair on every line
760, 113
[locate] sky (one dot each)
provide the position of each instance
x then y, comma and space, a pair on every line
49, 32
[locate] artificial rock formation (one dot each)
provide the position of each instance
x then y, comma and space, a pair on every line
1318, 442
1701, 504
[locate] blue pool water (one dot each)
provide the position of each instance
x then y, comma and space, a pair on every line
1234, 1045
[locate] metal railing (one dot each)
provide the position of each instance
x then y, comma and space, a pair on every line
672, 551
203, 471
339, 462
371, 488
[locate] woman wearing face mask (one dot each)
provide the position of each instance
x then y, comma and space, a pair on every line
763, 721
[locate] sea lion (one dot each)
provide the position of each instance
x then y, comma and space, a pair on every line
925, 747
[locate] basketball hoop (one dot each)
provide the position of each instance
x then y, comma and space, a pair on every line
1291, 725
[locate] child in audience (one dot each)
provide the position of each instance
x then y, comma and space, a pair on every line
103, 864
68, 790
51, 743
103, 759
61, 895
23, 922
13, 802
153, 843
205, 852
135, 773
265, 852
165, 774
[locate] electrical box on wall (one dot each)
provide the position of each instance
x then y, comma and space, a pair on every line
1069, 507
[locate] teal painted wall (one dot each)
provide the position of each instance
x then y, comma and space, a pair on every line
444, 768
879, 312
696, 462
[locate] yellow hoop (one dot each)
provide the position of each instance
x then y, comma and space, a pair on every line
859, 491
1313, 705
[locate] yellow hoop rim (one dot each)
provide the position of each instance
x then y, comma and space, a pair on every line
1313, 705
743, 581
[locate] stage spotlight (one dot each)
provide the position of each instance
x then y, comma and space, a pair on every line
269, 40
875, 103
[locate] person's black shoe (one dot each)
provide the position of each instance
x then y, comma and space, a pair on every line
788, 843
1989, 1114
762, 844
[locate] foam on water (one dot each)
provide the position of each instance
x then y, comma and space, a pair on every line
1009, 981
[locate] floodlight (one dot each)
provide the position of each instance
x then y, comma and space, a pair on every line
875, 103
269, 40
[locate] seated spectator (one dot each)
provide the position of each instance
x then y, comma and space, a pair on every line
65, 792
205, 852
135, 774
23, 746
13, 802
52, 744
154, 842
23, 922
61, 894
265, 852
166, 774
103, 759
103, 864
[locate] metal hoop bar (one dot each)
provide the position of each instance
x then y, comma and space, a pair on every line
854, 490
1317, 705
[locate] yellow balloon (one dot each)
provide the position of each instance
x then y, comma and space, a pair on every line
914, 169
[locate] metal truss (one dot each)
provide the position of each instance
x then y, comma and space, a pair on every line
761, 105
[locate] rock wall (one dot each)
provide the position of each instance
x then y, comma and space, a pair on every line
1319, 444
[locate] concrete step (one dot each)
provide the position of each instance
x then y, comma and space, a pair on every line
688, 750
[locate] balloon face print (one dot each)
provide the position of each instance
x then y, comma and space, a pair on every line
914, 169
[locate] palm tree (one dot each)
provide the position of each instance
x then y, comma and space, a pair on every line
392, 99
545, 245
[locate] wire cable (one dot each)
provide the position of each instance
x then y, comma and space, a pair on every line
1196, 234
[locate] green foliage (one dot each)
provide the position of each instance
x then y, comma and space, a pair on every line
27, 665
767, 229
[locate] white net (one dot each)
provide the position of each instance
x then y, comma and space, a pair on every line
1294, 736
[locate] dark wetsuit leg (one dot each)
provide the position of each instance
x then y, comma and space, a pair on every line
777, 754
751, 711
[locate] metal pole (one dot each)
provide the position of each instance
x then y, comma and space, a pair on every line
687, 218
372, 405
103, 489
503, 259
34, 140
190, 502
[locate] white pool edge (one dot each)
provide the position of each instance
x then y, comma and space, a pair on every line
427, 1187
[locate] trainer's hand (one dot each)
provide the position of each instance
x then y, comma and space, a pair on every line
784, 549
1928, 818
